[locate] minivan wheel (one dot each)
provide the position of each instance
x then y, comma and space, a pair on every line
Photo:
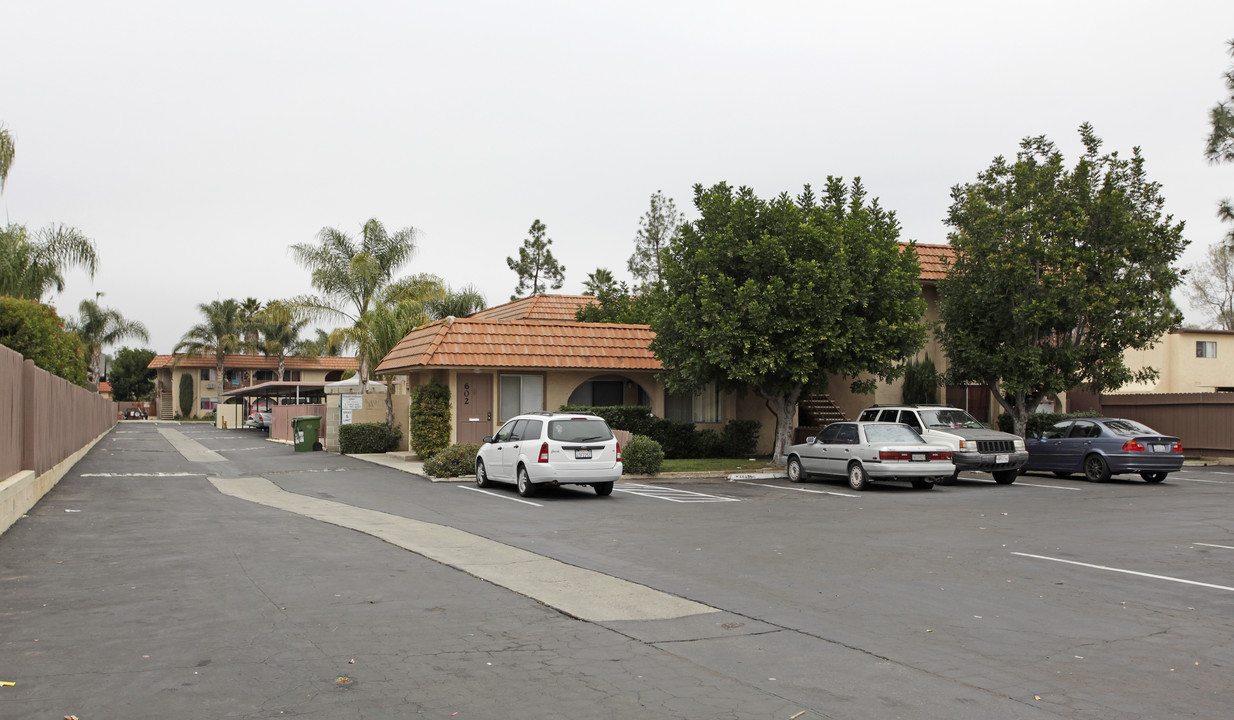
526, 487
796, 473
604, 488
482, 475
857, 478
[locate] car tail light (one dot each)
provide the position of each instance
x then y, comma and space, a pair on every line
894, 455
619, 450
1133, 446
940, 455
544, 452
1178, 446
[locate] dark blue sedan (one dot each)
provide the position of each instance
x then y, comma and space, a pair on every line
1101, 447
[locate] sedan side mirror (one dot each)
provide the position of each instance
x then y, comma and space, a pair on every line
811, 440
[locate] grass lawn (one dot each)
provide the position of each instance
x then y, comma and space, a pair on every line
716, 464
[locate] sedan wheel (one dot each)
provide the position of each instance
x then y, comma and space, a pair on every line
1096, 469
1153, 477
1062, 474
947, 479
482, 475
857, 478
923, 484
796, 473
526, 487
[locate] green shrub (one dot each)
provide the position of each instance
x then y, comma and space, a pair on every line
634, 418
921, 382
739, 438
37, 332
708, 444
1040, 422
360, 438
678, 438
186, 394
458, 459
429, 428
642, 456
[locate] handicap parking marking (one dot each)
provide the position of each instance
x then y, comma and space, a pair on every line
497, 495
800, 489
671, 494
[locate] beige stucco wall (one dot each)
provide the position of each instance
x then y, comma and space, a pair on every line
201, 388
1181, 371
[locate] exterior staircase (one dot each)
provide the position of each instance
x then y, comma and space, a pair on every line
166, 411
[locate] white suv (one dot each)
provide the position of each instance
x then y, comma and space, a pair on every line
973, 445
551, 448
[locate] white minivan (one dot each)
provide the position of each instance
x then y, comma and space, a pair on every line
551, 448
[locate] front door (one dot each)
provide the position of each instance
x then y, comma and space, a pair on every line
475, 406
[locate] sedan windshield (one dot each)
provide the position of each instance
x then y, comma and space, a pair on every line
892, 434
949, 419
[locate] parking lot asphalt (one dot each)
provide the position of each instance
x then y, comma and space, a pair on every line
184, 571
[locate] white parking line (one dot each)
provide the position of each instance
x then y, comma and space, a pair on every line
1019, 481
671, 494
1214, 482
1223, 547
142, 474
800, 489
496, 495
1127, 572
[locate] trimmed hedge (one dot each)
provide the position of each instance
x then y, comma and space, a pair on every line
360, 438
642, 456
1040, 422
429, 426
37, 332
739, 438
679, 439
634, 418
458, 459
186, 394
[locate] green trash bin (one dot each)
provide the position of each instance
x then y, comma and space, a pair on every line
304, 431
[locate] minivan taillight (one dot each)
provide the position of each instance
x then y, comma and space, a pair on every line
618, 451
544, 452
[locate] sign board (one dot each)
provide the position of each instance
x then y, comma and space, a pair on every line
345, 417
351, 402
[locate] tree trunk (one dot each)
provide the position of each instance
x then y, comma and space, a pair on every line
390, 405
784, 407
1020, 407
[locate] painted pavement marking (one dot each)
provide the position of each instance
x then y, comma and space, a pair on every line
192, 450
800, 489
496, 495
1223, 547
670, 494
1127, 572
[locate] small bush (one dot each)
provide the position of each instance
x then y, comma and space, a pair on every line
429, 426
186, 394
739, 438
456, 460
642, 456
634, 418
678, 438
709, 444
360, 438
921, 382
1040, 422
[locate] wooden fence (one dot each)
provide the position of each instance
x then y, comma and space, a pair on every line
1204, 421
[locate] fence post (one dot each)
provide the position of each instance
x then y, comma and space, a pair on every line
28, 460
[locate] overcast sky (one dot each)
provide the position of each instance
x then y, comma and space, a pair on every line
194, 142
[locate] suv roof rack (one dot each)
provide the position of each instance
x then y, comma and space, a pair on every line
550, 413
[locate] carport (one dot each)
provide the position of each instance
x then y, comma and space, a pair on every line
304, 393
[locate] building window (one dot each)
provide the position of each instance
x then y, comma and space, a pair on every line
1206, 348
207, 374
520, 394
208, 403
700, 407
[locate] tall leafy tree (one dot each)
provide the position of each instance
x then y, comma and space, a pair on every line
1057, 272
99, 327
1210, 286
775, 295
1220, 147
37, 332
615, 304
32, 266
279, 327
218, 335
350, 273
8, 148
537, 269
131, 376
657, 229
386, 325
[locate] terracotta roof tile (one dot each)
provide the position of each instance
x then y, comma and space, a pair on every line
537, 307
934, 260
260, 362
472, 342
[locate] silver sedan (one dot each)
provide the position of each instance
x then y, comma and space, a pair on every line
865, 452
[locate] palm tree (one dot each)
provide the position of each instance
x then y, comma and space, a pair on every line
249, 330
349, 275
280, 333
325, 344
7, 148
30, 267
598, 282
456, 303
218, 335
385, 326
99, 327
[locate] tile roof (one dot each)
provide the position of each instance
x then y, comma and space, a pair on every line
934, 260
104, 387
545, 344
537, 307
260, 362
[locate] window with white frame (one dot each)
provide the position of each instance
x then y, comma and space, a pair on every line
520, 394
700, 407
1206, 348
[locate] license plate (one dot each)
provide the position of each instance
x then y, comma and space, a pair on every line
1161, 448
1002, 459
919, 457
582, 454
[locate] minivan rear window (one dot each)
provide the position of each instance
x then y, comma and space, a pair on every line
579, 430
